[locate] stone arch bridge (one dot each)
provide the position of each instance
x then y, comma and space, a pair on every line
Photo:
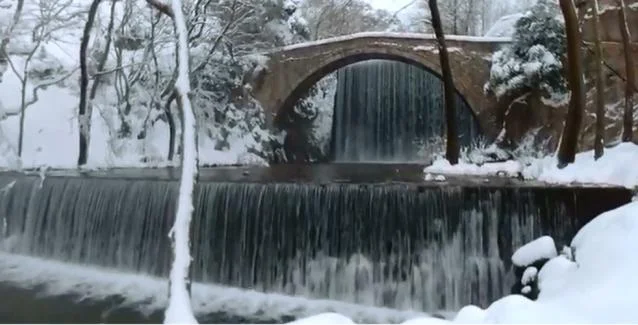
291, 71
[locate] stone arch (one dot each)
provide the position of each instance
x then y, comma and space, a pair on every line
284, 75
303, 85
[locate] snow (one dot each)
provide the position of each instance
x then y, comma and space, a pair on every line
325, 318
505, 26
442, 166
426, 320
611, 169
596, 287
468, 314
437, 178
179, 310
540, 248
529, 275
398, 36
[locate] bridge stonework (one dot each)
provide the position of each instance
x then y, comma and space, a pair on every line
291, 71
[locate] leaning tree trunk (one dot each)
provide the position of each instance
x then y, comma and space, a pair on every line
84, 119
630, 85
599, 140
452, 147
573, 121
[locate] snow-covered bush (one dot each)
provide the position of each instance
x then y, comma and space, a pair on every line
533, 60
313, 116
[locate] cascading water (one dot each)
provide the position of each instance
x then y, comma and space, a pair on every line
389, 111
404, 246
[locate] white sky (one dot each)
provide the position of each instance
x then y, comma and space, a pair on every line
390, 5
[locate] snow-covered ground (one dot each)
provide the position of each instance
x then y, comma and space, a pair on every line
615, 167
595, 287
51, 136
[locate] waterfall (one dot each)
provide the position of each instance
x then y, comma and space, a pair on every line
403, 246
389, 111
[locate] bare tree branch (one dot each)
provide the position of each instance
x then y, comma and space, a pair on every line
161, 7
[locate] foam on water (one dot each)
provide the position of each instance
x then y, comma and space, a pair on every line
148, 294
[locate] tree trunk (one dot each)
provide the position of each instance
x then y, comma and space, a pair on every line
573, 121
23, 97
630, 86
172, 131
179, 309
102, 62
452, 147
599, 140
84, 119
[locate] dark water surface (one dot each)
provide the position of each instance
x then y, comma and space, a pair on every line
354, 173
20, 305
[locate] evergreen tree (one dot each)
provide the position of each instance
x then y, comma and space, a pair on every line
533, 59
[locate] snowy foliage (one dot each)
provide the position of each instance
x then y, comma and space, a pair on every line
130, 109
533, 60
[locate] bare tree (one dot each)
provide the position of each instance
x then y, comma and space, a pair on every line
6, 36
599, 141
569, 139
630, 85
84, 113
50, 17
327, 18
452, 147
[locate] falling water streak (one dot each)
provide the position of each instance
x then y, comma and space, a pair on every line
427, 249
384, 110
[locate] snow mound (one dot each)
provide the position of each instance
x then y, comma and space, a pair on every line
426, 320
325, 318
597, 287
538, 249
611, 169
442, 166
468, 314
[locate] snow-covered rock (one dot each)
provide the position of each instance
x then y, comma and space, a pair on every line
538, 249
529, 275
595, 288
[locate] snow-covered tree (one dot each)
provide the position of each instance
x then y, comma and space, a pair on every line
533, 60
179, 310
328, 18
